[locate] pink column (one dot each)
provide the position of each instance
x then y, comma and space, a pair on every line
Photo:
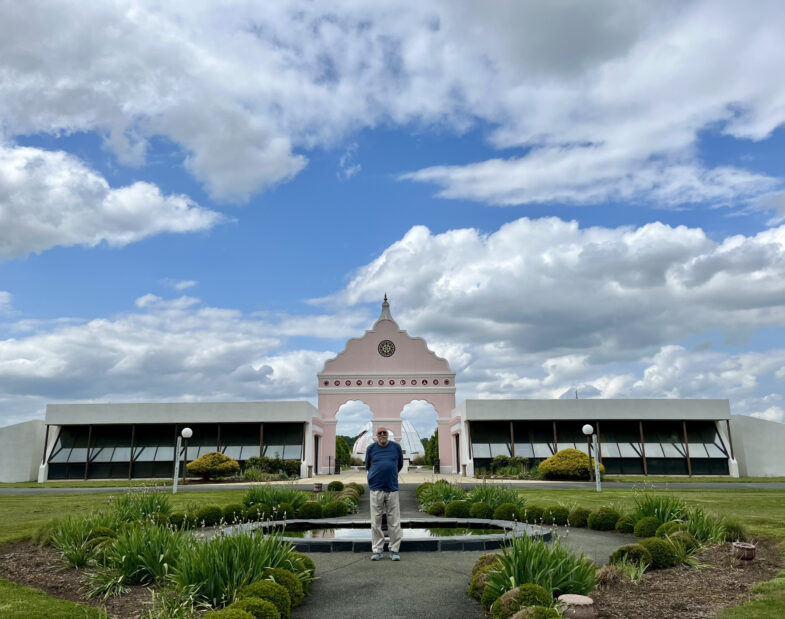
327, 447
446, 449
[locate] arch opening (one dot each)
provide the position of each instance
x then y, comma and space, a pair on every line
422, 416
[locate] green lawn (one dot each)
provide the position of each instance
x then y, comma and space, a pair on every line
90, 483
20, 602
666, 479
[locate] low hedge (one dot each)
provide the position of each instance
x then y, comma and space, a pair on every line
258, 512
478, 581
288, 580
234, 513
647, 526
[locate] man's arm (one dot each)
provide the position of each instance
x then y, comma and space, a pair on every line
368, 458
400, 458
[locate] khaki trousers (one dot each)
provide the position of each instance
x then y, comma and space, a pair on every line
385, 503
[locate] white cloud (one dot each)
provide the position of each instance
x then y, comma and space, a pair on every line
50, 199
773, 413
618, 90
180, 285
5, 302
347, 164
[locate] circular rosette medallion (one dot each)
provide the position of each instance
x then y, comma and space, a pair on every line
386, 348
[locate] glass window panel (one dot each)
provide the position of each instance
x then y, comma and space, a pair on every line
78, 454
714, 452
697, 450
292, 452
481, 450
121, 454
653, 450
524, 450
628, 450
670, 450
233, 452
542, 450
145, 454
239, 434
101, 454
294, 433
164, 453
500, 449
610, 450
61, 455
250, 452
273, 451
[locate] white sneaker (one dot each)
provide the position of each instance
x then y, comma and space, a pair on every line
376, 556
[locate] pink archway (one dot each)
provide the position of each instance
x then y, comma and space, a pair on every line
386, 368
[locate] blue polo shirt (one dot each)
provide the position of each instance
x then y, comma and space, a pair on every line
383, 464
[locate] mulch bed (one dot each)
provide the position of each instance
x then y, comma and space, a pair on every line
662, 594
696, 593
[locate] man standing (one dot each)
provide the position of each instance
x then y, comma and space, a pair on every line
383, 460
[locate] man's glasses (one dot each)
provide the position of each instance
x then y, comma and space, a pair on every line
381, 433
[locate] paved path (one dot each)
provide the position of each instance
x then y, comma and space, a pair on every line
423, 584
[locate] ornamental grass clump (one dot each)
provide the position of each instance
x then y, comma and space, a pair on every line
441, 491
274, 496
71, 536
703, 527
272, 592
221, 566
550, 565
138, 505
664, 507
603, 519
647, 526
735, 531
513, 600
494, 495
457, 509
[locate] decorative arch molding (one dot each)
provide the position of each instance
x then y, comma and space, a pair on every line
385, 369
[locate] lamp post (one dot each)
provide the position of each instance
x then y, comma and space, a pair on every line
588, 430
186, 434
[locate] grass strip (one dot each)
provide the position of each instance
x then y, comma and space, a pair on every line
768, 602
21, 602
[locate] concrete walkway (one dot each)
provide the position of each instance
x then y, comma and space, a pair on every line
423, 584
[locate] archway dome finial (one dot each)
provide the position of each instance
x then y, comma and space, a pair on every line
385, 315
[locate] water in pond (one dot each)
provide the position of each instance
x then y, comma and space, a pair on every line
364, 534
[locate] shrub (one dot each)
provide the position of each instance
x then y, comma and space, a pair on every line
335, 486
270, 591
531, 514
233, 513
662, 554
626, 524
275, 466
302, 561
603, 519
252, 473
537, 612
101, 531
486, 559
703, 527
418, 461
213, 464
506, 511
735, 531
457, 509
578, 517
608, 576
480, 510
478, 581
555, 514
179, 520
422, 488
631, 553
310, 509
360, 489
437, 509
489, 595
71, 538
228, 613
647, 527
524, 595
257, 512
335, 509
275, 495
441, 491
665, 529
133, 506
259, 608
550, 565
567, 464
289, 581
494, 495
687, 541
208, 516
283, 510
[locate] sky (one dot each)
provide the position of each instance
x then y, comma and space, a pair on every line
203, 201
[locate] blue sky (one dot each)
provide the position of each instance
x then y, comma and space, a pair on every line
204, 203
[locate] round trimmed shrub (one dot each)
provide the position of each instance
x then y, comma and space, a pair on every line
578, 517
667, 528
685, 538
567, 464
555, 514
209, 515
258, 511
647, 526
662, 554
303, 561
488, 597
513, 600
350, 492
335, 486
259, 608
626, 524
288, 580
234, 513
335, 509
487, 559
631, 553
360, 489
536, 612
480, 510
178, 520
531, 514
283, 510
603, 519
228, 613
102, 532
506, 511
437, 509
478, 581
272, 592
310, 509
213, 464
457, 509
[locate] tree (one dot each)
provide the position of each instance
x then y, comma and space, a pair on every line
424, 443
349, 440
213, 464
342, 454
432, 449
